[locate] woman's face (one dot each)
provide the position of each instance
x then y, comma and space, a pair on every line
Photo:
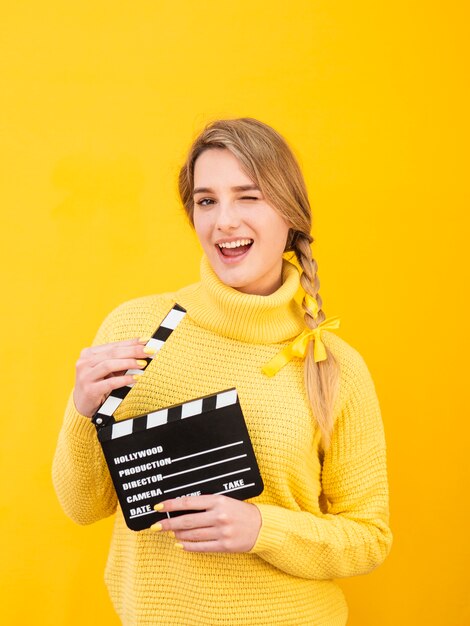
242, 235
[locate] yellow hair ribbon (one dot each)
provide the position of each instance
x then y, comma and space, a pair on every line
298, 347
312, 304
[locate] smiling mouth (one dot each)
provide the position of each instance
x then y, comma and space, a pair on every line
234, 248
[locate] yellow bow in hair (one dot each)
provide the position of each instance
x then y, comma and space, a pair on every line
298, 347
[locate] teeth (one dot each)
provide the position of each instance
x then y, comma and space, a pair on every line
235, 244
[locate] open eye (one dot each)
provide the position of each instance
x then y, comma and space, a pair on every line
205, 201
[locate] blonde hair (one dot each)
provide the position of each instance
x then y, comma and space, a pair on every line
267, 159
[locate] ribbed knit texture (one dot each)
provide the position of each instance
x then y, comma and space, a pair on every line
320, 521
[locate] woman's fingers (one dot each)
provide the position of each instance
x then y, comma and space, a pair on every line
188, 522
101, 389
104, 387
89, 397
196, 527
106, 346
222, 525
100, 370
113, 366
198, 534
201, 527
204, 546
188, 503
96, 354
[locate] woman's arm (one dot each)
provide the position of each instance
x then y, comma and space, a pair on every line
353, 537
79, 472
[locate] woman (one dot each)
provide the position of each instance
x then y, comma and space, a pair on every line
307, 396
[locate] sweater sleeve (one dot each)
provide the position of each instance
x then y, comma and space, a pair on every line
79, 472
353, 536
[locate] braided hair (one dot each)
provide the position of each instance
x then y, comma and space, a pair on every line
268, 160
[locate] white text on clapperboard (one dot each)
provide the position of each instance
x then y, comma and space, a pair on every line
145, 481
153, 478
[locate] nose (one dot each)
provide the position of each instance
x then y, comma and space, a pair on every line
227, 218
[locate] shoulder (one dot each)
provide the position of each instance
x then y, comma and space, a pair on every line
349, 358
359, 429
355, 376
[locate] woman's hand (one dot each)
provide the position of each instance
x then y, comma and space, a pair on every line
222, 525
100, 370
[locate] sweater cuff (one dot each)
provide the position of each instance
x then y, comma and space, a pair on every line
272, 533
77, 424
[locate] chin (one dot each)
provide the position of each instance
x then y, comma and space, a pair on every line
231, 281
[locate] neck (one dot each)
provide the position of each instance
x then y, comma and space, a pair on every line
273, 318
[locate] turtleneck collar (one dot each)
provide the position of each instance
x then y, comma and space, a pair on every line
251, 318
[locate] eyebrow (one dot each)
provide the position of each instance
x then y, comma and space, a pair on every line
236, 188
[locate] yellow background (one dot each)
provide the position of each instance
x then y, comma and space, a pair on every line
99, 102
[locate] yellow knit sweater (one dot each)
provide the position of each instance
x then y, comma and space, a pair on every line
320, 520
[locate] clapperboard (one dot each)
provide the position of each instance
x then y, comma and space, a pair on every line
197, 447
